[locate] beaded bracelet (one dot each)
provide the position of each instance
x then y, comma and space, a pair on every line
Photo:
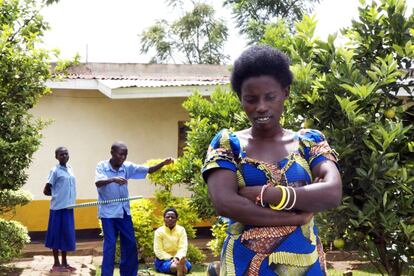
259, 198
294, 199
282, 201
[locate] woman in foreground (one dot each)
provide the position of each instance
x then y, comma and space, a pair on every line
269, 180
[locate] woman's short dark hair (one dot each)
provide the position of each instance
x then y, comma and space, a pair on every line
171, 209
261, 60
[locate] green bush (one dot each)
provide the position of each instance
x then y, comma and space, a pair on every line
219, 233
10, 198
144, 220
207, 117
194, 254
13, 237
24, 70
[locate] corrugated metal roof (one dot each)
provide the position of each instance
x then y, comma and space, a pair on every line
149, 78
115, 75
116, 83
121, 81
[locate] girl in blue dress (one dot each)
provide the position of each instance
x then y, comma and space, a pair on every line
269, 180
60, 235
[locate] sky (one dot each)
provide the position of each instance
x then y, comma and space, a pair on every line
108, 30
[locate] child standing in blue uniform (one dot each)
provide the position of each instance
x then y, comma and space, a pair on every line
61, 185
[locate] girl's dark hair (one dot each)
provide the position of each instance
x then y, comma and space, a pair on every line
59, 149
171, 209
258, 61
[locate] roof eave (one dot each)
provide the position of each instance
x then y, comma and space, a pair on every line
136, 92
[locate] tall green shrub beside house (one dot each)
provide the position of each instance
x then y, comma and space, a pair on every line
207, 117
23, 71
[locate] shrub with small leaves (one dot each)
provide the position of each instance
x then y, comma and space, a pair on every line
218, 231
194, 254
10, 198
13, 237
144, 220
24, 70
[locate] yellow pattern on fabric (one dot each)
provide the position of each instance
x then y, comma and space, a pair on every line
295, 259
228, 267
211, 165
240, 179
236, 228
287, 270
225, 140
307, 231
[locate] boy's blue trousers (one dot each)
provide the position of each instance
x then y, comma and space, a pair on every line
128, 266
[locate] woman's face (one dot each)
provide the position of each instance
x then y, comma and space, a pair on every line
262, 99
170, 219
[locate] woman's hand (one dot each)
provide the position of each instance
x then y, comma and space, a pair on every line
250, 193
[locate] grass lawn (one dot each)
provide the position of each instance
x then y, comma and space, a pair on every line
200, 270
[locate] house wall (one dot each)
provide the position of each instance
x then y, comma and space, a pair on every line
87, 123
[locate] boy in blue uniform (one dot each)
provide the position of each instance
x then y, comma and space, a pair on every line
61, 185
111, 180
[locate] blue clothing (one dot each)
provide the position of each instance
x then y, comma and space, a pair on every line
164, 266
113, 190
63, 187
277, 250
61, 230
128, 265
116, 217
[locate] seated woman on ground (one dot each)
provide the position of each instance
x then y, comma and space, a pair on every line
170, 246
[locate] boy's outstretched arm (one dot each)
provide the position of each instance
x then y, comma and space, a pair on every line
160, 165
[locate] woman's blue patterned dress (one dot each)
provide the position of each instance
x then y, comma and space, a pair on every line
279, 250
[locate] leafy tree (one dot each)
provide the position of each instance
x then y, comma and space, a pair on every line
252, 16
196, 37
24, 68
353, 94
207, 117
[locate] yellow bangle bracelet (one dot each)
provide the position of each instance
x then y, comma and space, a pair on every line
282, 201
